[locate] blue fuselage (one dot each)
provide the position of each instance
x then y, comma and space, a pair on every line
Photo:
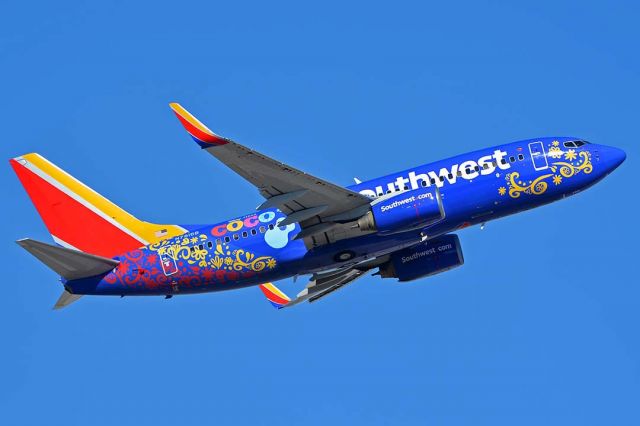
475, 187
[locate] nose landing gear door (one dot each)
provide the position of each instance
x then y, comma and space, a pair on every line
538, 156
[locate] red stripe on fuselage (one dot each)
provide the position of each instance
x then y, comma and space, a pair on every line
71, 221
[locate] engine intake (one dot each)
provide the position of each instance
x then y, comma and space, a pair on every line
430, 258
404, 211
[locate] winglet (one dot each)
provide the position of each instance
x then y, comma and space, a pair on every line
198, 131
273, 294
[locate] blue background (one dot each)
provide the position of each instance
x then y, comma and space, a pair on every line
539, 327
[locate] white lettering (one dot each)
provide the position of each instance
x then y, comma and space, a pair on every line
401, 182
467, 169
486, 167
413, 178
499, 156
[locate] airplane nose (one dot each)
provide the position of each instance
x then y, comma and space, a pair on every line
617, 157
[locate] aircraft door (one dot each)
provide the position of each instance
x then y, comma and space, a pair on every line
169, 266
538, 156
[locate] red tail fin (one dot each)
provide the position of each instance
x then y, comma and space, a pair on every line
78, 217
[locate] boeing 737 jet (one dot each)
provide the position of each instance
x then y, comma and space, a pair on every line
402, 225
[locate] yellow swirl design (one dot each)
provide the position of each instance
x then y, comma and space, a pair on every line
540, 185
239, 260
568, 170
246, 260
537, 187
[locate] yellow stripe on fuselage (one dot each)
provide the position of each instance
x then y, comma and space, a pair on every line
149, 232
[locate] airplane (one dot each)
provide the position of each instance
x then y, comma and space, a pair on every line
401, 225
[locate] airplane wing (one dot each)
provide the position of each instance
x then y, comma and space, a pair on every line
320, 285
304, 198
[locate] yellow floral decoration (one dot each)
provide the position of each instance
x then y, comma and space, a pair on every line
576, 163
223, 257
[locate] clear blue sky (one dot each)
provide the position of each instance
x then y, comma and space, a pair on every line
539, 327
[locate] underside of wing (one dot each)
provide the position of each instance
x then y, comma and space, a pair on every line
314, 203
321, 284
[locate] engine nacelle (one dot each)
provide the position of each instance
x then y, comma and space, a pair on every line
404, 211
432, 257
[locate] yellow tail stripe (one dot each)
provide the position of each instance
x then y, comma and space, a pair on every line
149, 232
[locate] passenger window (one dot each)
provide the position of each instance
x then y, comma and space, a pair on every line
450, 176
503, 161
433, 181
570, 144
512, 159
406, 187
477, 168
424, 183
244, 234
485, 166
441, 178
209, 244
262, 229
271, 226
388, 191
219, 241
201, 247
236, 237
193, 249
459, 173
227, 239
494, 163
254, 232
520, 157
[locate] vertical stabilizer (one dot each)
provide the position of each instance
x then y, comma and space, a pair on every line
78, 217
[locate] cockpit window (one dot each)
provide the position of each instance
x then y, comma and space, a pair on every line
574, 144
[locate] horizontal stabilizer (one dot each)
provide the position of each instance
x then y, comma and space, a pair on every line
70, 264
66, 299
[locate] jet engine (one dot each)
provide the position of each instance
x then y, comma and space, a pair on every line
432, 257
403, 211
